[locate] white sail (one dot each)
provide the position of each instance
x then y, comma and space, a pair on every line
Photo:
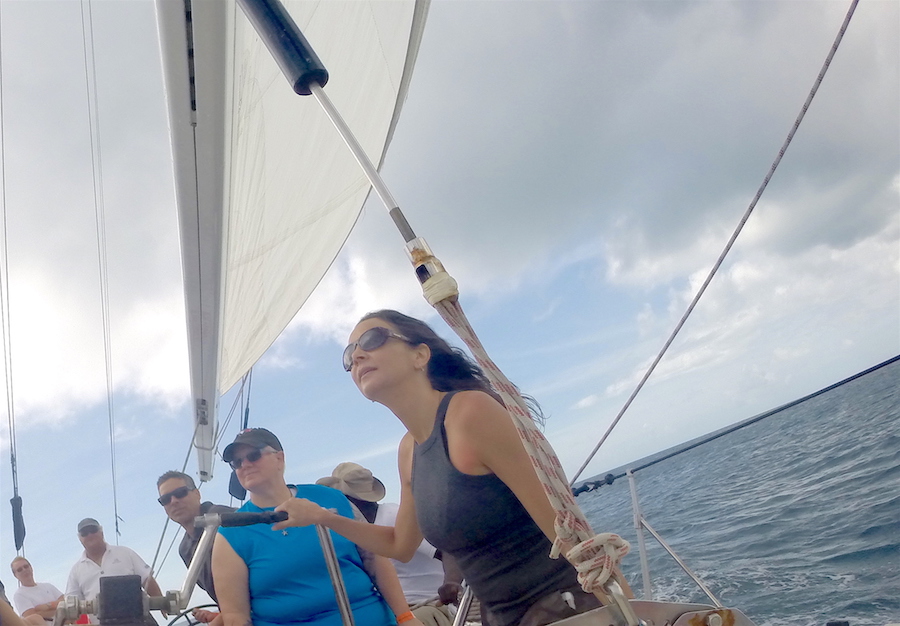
267, 193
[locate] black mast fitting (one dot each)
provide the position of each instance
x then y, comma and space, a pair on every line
296, 58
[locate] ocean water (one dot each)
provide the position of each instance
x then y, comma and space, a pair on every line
794, 520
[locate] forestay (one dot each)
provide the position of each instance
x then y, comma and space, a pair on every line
267, 192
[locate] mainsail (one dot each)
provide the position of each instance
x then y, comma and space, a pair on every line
267, 192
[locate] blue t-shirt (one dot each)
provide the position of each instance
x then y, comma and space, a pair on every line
288, 577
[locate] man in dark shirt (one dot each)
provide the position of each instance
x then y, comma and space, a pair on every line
179, 496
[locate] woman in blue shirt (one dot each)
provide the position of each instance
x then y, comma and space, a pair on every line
267, 577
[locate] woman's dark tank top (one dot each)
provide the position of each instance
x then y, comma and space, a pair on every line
502, 553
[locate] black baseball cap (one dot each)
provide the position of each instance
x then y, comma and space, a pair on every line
259, 438
88, 521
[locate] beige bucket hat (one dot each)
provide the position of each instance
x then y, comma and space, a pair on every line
352, 479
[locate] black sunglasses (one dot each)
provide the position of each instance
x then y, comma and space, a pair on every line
175, 493
370, 340
251, 457
88, 530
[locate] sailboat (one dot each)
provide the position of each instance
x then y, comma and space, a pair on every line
209, 399
245, 231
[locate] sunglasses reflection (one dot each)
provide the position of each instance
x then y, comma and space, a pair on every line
370, 340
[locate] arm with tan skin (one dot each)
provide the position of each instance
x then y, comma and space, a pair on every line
482, 439
208, 617
232, 584
389, 586
45, 611
397, 542
152, 587
8, 616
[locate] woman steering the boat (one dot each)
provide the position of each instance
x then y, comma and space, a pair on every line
267, 577
467, 483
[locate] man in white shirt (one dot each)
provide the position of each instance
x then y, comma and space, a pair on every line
35, 602
100, 560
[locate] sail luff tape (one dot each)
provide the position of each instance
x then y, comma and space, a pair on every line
296, 58
437, 284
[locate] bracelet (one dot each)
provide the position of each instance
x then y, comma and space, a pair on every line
405, 617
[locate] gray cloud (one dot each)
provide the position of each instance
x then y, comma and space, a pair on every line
659, 124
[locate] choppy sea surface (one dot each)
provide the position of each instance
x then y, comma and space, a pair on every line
794, 520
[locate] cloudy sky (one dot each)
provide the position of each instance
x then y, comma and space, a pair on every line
578, 166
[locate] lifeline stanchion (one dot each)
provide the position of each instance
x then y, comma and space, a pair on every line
334, 571
639, 530
465, 603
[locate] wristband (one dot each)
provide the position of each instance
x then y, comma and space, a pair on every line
405, 617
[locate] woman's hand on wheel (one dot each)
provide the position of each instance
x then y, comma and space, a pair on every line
301, 512
206, 617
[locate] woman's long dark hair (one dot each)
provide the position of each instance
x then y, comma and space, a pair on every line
449, 368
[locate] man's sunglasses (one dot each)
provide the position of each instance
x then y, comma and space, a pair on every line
370, 340
175, 493
251, 457
88, 530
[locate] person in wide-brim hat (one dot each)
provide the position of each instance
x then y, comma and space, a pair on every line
354, 480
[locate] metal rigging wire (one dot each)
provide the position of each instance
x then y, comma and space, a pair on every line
16, 501
90, 70
731, 241
245, 383
162, 536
